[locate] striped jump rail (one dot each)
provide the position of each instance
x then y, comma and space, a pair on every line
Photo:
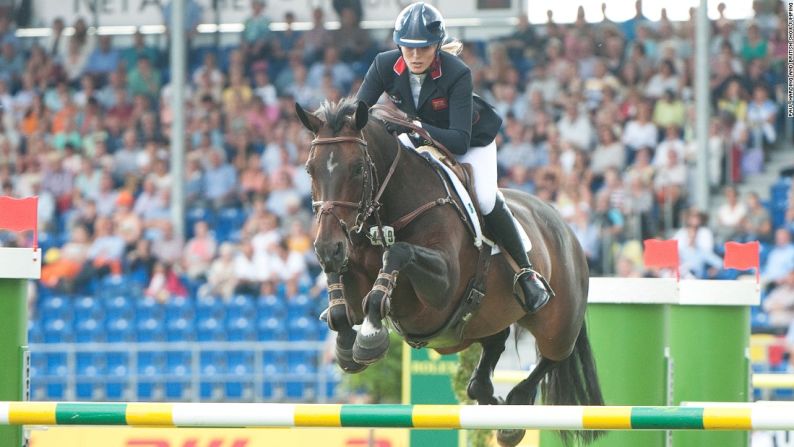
241, 415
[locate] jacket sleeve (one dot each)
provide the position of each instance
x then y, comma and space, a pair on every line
458, 137
372, 87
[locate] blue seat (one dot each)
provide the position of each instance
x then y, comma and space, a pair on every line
176, 389
273, 382
119, 330
299, 306
55, 364
38, 364
209, 389
212, 360
228, 221
239, 367
56, 307
56, 389
35, 332
57, 331
180, 329
178, 362
271, 329
150, 330
150, 363
301, 362
276, 360
119, 306
239, 362
146, 389
241, 329
210, 329
114, 389
210, 307
88, 331
240, 306
179, 308
178, 368
148, 307
303, 328
117, 364
300, 384
270, 306
194, 215
88, 307
88, 364
116, 285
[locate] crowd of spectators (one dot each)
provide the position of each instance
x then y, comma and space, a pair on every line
598, 121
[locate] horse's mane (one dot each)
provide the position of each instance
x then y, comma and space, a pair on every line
336, 114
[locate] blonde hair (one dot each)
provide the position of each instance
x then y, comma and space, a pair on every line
453, 47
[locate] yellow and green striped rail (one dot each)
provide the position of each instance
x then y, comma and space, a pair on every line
728, 417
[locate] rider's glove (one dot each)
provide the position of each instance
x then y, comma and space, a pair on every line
397, 129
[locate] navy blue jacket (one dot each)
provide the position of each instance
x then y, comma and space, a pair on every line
448, 107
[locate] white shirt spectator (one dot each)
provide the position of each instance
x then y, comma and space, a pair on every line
287, 269
660, 158
576, 130
731, 216
637, 134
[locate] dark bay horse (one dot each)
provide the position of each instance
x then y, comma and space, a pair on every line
360, 179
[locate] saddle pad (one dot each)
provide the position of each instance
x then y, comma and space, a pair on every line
465, 198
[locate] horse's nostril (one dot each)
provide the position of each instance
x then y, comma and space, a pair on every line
338, 251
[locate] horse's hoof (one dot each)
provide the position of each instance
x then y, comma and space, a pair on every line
344, 358
368, 349
510, 438
481, 392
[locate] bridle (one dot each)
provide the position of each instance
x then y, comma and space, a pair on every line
369, 204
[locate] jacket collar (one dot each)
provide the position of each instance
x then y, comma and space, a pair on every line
435, 68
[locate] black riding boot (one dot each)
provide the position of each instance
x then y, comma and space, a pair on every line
535, 290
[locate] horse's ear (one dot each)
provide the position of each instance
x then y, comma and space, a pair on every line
361, 115
309, 120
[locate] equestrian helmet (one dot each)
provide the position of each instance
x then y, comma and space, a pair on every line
419, 25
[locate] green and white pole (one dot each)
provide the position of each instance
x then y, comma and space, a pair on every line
17, 266
627, 326
709, 345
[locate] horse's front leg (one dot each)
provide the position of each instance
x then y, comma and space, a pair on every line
340, 319
428, 272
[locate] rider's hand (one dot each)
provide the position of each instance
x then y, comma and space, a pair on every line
397, 129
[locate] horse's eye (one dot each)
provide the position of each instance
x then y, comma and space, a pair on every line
358, 169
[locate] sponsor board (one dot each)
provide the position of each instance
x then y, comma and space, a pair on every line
208, 437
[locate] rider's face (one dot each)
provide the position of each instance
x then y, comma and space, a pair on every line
419, 59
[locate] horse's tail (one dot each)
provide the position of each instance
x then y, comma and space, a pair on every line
574, 381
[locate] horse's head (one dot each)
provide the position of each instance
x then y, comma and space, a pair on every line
342, 176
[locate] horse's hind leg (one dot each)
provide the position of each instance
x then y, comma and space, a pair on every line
524, 394
428, 272
480, 385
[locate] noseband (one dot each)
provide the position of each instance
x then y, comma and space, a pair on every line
369, 204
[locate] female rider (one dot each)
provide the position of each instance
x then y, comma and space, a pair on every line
435, 88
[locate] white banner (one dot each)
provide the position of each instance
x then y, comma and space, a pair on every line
149, 12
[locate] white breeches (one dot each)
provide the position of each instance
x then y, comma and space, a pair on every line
483, 163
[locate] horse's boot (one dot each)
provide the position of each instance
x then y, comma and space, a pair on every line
535, 289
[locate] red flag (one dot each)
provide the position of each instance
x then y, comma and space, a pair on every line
20, 215
659, 253
743, 256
